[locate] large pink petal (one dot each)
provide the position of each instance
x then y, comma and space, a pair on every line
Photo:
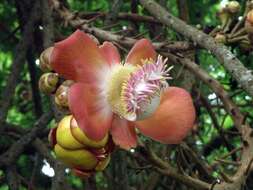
142, 49
110, 52
90, 109
172, 120
77, 58
123, 133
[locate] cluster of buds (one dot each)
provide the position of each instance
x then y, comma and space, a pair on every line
232, 30
83, 155
51, 83
70, 144
226, 13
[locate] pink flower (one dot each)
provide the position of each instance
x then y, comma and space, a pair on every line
111, 96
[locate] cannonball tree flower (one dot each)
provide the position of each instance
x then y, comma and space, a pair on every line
120, 96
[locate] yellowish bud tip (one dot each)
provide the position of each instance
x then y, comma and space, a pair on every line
233, 7
45, 65
249, 22
48, 82
61, 95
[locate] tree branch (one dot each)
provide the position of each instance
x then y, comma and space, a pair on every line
18, 63
241, 74
10, 156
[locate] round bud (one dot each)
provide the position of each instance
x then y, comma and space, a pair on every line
249, 22
61, 95
45, 65
48, 82
81, 137
77, 151
249, 17
220, 38
233, 7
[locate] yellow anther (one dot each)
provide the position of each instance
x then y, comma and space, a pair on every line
115, 83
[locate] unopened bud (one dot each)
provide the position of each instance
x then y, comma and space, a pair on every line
61, 95
249, 22
80, 154
48, 82
233, 7
45, 64
249, 17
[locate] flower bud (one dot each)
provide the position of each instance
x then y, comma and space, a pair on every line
249, 22
233, 7
76, 150
61, 95
45, 65
48, 82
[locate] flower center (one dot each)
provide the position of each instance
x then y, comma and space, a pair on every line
133, 92
114, 83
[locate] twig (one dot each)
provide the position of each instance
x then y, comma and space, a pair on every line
165, 169
12, 178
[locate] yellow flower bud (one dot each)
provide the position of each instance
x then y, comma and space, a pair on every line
76, 150
48, 82
45, 60
80, 158
61, 95
64, 136
249, 22
233, 7
81, 137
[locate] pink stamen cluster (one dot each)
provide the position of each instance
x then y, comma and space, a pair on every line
145, 83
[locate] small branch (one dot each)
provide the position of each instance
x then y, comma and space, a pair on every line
12, 178
10, 156
112, 15
76, 22
18, 63
217, 126
165, 169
